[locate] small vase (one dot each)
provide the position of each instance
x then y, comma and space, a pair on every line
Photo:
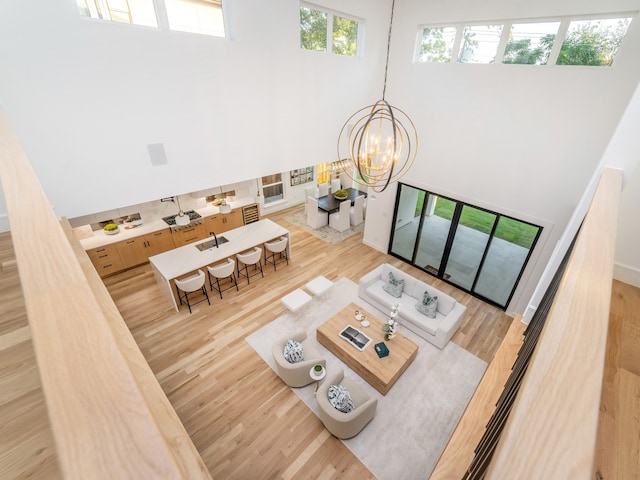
389, 336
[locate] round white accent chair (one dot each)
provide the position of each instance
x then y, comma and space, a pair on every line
297, 374
340, 424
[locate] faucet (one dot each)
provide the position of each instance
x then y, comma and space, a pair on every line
214, 236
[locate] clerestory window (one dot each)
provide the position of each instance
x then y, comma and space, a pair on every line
557, 41
194, 16
325, 31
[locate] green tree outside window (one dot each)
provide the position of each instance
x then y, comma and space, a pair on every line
313, 29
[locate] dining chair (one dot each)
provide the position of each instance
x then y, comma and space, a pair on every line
316, 218
346, 182
323, 189
191, 285
340, 220
309, 192
335, 185
356, 212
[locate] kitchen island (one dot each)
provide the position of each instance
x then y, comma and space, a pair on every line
185, 260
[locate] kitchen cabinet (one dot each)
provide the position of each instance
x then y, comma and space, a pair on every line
132, 251
137, 250
223, 222
159, 242
189, 235
106, 259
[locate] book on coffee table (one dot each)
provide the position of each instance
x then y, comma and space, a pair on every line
355, 337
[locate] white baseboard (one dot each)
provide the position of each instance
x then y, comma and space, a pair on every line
626, 274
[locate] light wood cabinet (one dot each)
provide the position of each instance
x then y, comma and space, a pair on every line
223, 222
137, 250
106, 259
132, 251
159, 242
189, 235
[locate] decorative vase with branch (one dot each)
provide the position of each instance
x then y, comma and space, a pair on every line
391, 326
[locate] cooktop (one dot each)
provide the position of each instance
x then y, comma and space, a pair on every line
171, 219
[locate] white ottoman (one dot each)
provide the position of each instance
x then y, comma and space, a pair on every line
295, 300
319, 285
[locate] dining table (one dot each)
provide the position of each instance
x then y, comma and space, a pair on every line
330, 204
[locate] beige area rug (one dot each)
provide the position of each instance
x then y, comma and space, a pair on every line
325, 233
415, 420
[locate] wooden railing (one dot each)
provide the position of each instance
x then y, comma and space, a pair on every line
108, 414
551, 429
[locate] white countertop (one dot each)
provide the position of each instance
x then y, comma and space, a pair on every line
90, 239
182, 260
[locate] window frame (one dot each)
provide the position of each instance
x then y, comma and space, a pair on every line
564, 20
273, 184
328, 48
161, 17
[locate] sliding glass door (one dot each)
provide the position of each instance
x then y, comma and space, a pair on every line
481, 252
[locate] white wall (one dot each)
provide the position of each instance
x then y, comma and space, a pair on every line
86, 98
518, 139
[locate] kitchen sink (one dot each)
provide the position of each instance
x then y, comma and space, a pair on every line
211, 244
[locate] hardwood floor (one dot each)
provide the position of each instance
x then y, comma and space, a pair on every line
242, 418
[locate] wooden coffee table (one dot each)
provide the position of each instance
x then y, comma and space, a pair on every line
380, 373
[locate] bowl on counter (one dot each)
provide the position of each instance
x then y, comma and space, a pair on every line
111, 229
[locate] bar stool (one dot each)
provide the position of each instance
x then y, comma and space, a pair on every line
251, 257
276, 247
191, 285
222, 271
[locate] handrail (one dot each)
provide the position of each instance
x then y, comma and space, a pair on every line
551, 431
102, 422
459, 452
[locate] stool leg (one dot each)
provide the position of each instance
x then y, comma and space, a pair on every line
219, 289
204, 290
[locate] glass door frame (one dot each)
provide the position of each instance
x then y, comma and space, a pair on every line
455, 223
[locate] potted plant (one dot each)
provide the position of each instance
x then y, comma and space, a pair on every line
111, 228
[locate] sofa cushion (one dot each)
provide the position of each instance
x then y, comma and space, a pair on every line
445, 302
293, 351
340, 399
393, 286
409, 281
428, 305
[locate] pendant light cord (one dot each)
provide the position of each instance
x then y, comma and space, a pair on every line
386, 65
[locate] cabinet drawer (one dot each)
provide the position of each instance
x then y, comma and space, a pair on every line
108, 268
106, 260
189, 235
102, 254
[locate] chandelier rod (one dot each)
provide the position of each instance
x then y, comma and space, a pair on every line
386, 64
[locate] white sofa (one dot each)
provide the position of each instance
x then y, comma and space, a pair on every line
437, 331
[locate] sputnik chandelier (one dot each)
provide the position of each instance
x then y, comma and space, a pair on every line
380, 140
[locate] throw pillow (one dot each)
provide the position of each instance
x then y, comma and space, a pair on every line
428, 305
394, 286
340, 399
293, 351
